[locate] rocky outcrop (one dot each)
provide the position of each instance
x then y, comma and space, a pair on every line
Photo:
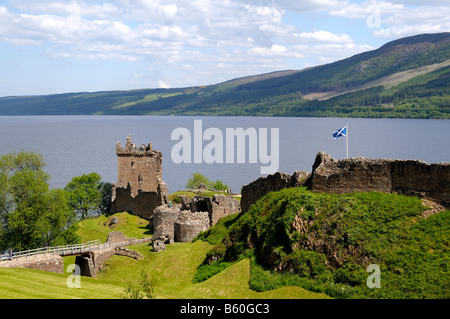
359, 174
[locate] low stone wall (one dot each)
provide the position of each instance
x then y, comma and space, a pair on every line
252, 192
222, 206
46, 262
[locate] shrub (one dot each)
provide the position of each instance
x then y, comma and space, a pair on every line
350, 274
306, 263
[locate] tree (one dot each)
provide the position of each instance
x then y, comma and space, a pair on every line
198, 179
31, 214
84, 194
143, 288
220, 186
105, 203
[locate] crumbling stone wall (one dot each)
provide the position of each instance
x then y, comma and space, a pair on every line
139, 188
183, 222
359, 174
271, 183
164, 220
190, 224
46, 262
91, 263
217, 206
350, 174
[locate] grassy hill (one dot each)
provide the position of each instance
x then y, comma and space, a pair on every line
171, 272
406, 78
291, 244
325, 242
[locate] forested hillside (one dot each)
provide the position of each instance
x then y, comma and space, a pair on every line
406, 78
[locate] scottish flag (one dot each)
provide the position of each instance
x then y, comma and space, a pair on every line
340, 132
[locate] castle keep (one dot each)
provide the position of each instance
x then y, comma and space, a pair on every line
139, 188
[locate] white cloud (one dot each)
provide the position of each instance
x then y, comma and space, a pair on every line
323, 36
403, 31
104, 10
206, 41
304, 5
398, 18
367, 8
163, 85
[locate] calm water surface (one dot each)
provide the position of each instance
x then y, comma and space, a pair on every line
76, 145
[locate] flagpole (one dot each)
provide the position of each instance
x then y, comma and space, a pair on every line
346, 142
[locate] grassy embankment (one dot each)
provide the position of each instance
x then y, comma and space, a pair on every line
171, 272
324, 242
340, 235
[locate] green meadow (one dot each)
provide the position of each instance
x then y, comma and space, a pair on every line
171, 272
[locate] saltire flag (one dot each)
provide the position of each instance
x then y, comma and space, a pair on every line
340, 132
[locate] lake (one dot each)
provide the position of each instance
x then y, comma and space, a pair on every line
76, 145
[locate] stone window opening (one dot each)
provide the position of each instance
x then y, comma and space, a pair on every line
132, 165
139, 179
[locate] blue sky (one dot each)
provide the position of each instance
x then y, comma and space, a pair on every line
51, 46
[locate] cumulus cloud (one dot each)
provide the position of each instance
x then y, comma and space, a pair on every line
367, 8
204, 41
323, 36
398, 18
305, 5
163, 85
403, 31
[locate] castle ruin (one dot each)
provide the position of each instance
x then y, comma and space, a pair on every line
359, 174
139, 188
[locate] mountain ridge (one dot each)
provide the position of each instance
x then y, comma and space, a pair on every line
377, 83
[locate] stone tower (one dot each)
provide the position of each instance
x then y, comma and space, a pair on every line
139, 188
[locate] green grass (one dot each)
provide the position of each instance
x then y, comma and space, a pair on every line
385, 229
171, 272
343, 235
130, 225
17, 283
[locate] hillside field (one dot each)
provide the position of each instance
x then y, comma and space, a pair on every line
291, 244
171, 272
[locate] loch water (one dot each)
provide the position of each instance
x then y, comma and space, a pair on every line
76, 145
